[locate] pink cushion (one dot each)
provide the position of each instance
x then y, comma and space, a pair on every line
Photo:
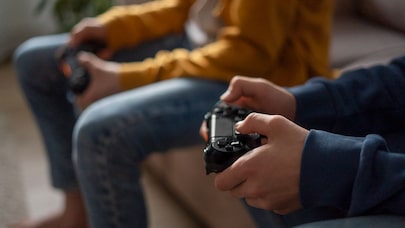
390, 13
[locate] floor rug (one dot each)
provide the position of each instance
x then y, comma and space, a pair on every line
12, 206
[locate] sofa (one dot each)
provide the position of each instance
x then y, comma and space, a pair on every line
364, 32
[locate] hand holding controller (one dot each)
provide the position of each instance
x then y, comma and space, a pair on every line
225, 145
78, 77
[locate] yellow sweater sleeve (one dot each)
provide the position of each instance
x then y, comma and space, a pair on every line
128, 25
284, 41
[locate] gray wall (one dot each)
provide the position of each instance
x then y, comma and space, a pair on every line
18, 22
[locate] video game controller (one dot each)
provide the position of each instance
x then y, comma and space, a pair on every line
225, 145
77, 75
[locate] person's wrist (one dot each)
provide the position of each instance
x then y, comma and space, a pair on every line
284, 104
291, 107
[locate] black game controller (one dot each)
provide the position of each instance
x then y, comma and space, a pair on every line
77, 75
225, 145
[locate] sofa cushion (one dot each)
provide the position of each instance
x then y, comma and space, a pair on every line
389, 13
181, 172
382, 57
354, 38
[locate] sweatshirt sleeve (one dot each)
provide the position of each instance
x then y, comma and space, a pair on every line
358, 175
242, 47
128, 25
360, 102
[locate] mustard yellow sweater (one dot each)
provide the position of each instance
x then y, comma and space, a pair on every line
285, 41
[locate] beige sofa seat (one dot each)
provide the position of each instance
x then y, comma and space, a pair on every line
181, 172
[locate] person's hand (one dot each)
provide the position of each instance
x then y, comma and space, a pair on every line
268, 176
204, 131
260, 95
87, 29
104, 79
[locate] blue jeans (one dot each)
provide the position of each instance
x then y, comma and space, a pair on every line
112, 137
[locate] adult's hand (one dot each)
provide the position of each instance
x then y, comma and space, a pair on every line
268, 176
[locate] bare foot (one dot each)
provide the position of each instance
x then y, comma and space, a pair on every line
73, 215
51, 221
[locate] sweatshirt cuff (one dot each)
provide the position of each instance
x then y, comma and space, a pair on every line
133, 75
315, 108
328, 170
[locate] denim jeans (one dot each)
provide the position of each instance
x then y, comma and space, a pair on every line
110, 139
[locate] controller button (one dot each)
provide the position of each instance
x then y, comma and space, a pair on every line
236, 144
238, 118
228, 111
242, 113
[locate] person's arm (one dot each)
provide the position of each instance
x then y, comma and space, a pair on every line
356, 174
128, 25
296, 168
360, 102
256, 41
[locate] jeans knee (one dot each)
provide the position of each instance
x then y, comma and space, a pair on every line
27, 53
35, 59
100, 139
86, 134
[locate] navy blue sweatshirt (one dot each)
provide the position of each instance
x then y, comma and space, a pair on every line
354, 155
